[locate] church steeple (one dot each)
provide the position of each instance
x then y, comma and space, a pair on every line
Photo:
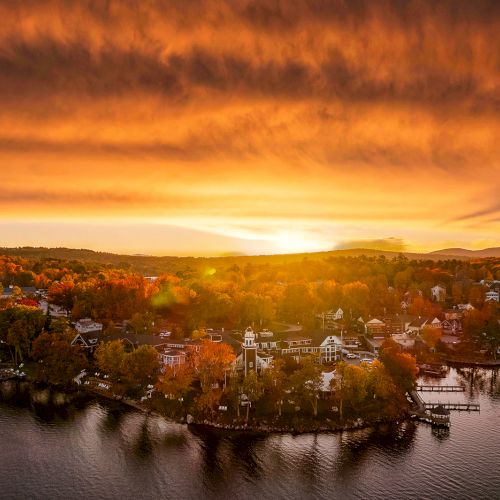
249, 351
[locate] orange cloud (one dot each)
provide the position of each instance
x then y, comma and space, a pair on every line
340, 120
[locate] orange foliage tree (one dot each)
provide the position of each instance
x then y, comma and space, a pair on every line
401, 366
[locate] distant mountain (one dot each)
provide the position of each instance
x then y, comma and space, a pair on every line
463, 252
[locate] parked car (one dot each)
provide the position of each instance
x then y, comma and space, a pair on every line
367, 360
165, 334
351, 356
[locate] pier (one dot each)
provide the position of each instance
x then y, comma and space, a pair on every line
454, 406
440, 388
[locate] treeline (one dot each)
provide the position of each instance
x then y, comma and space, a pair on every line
235, 296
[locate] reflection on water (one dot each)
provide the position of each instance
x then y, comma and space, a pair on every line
94, 449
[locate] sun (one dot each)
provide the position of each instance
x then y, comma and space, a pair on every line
295, 242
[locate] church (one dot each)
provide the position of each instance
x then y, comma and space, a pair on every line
250, 359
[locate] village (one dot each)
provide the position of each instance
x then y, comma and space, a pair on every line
249, 358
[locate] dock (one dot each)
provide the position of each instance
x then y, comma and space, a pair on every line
440, 388
454, 406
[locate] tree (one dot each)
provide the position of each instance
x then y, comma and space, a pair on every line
176, 382
349, 385
211, 364
61, 293
253, 389
402, 367
431, 336
306, 382
59, 361
141, 366
234, 389
17, 338
110, 358
275, 380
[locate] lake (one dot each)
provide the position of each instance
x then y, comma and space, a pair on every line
101, 450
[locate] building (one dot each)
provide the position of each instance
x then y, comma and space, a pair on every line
326, 348
375, 327
172, 358
89, 341
491, 296
250, 359
87, 325
438, 293
404, 340
330, 318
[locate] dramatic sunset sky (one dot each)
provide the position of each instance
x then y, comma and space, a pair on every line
205, 127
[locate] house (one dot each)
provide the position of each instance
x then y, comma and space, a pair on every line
417, 324
329, 318
452, 326
87, 325
10, 291
88, 341
327, 348
375, 327
438, 293
172, 358
53, 310
265, 340
404, 340
434, 323
491, 296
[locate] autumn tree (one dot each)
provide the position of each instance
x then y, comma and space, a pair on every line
275, 382
401, 366
18, 340
141, 366
306, 383
175, 382
349, 386
233, 389
431, 336
252, 390
58, 361
62, 294
211, 364
110, 357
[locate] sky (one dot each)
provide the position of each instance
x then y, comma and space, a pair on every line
211, 127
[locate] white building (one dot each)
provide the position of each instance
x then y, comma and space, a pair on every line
86, 325
438, 293
491, 296
172, 358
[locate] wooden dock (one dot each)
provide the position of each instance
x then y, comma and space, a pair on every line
440, 388
454, 406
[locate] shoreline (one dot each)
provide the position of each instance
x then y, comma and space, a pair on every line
487, 363
305, 428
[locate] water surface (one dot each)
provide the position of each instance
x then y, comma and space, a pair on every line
101, 450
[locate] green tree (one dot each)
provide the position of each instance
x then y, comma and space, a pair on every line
252, 390
306, 383
110, 358
18, 340
275, 380
58, 361
141, 366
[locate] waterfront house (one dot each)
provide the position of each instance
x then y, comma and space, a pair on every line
172, 358
87, 340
